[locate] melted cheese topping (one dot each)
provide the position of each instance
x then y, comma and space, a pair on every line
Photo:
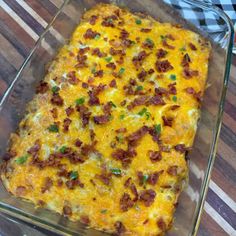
97, 199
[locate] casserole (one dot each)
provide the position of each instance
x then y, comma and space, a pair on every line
34, 70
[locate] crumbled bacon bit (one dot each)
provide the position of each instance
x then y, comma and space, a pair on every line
20, 191
105, 177
8, 155
134, 191
119, 227
137, 135
161, 53
156, 100
126, 43
93, 19
90, 34
97, 52
69, 110
161, 91
102, 119
107, 108
57, 100
54, 112
188, 73
124, 34
85, 219
114, 52
161, 225
167, 121
123, 103
84, 114
92, 134
81, 59
35, 148
72, 78
42, 87
174, 107
113, 84
170, 36
93, 99
150, 71
154, 156
98, 73
147, 196
186, 60
66, 124
48, 183
78, 142
195, 94
140, 177
192, 46
141, 100
142, 75
172, 88
163, 66
85, 85
67, 211
165, 44
86, 149
145, 30
128, 182
138, 60
121, 130
71, 184
109, 21
126, 202
153, 178
181, 148
123, 156
111, 65
172, 170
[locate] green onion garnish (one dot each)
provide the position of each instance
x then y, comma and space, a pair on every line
53, 128
22, 159
73, 175
138, 21
157, 128
116, 171
80, 101
173, 77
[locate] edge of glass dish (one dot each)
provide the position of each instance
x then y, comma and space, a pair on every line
203, 191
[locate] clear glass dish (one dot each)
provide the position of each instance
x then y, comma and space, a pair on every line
202, 17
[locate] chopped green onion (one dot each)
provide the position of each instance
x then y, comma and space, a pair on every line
120, 138
97, 36
183, 49
103, 211
55, 89
173, 77
113, 104
22, 159
122, 116
53, 128
147, 114
157, 128
142, 112
163, 37
138, 21
139, 88
109, 20
80, 101
121, 71
116, 171
145, 178
174, 98
73, 175
62, 149
108, 59
93, 70
149, 41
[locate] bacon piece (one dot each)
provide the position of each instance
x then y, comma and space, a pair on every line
123, 156
84, 114
66, 124
72, 78
161, 53
138, 60
170, 36
174, 107
156, 100
141, 100
90, 34
98, 73
93, 19
69, 110
86, 149
147, 196
161, 91
128, 182
93, 99
35, 148
172, 170
20, 191
57, 100
54, 112
134, 191
145, 30
181, 148
192, 46
163, 66
67, 211
102, 119
113, 84
97, 52
161, 224
188, 73
71, 184
120, 228
81, 59
114, 52
142, 75
109, 21
111, 65
153, 178
121, 130
85, 219
126, 43
137, 135
42, 87
8, 155
126, 202
85, 85
105, 176
92, 134
172, 88
155, 156
167, 121
124, 34
48, 183
165, 44
78, 142
195, 94
186, 60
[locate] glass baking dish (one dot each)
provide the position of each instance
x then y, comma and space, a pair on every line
201, 17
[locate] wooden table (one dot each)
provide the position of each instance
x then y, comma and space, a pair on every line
23, 20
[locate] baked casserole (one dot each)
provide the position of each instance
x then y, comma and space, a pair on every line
105, 138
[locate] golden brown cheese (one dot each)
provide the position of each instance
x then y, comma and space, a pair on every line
105, 138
